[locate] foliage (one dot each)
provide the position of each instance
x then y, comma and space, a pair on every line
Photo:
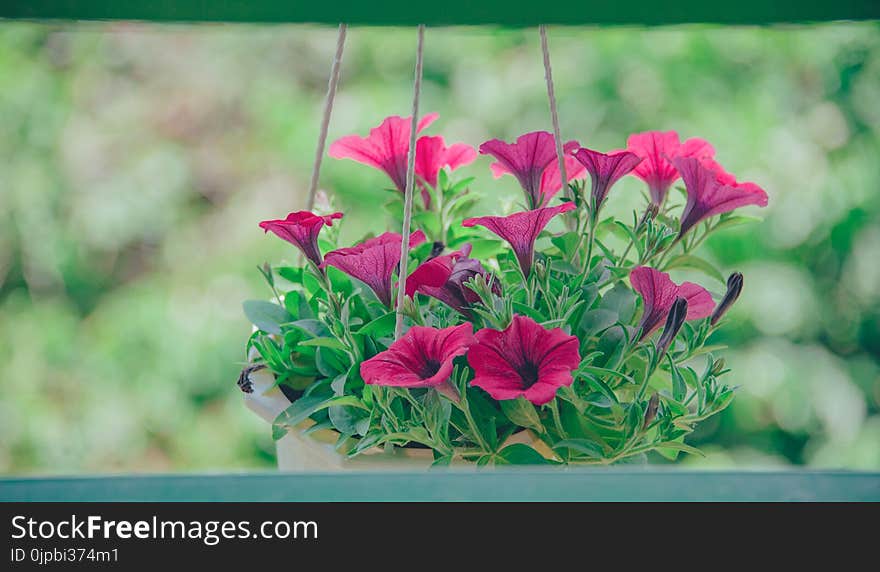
626, 397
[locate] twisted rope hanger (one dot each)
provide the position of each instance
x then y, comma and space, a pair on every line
332, 83
554, 115
410, 180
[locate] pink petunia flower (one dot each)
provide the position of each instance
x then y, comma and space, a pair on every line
432, 154
301, 229
659, 292
445, 278
421, 358
712, 193
532, 160
605, 170
521, 230
387, 146
658, 149
525, 359
374, 261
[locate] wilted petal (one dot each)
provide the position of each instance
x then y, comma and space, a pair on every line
445, 278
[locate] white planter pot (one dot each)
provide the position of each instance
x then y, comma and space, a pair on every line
316, 452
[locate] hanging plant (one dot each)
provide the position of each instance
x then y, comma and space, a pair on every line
512, 328
554, 334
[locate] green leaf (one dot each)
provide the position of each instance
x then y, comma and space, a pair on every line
679, 387
290, 274
313, 328
485, 416
596, 370
566, 243
611, 344
331, 343
737, 220
529, 311
484, 248
523, 413
417, 434
620, 300
381, 327
519, 454
589, 294
305, 407
601, 387
696, 263
595, 321
583, 446
676, 446
635, 418
349, 420
330, 363
265, 315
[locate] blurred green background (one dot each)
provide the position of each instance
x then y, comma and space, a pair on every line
136, 161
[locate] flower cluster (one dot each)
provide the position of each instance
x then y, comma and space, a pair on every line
530, 336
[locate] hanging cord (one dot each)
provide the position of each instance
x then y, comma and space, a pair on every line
328, 109
554, 116
410, 182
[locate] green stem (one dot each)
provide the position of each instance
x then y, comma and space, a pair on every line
557, 419
591, 238
472, 425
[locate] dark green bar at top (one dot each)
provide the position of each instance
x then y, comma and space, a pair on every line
449, 12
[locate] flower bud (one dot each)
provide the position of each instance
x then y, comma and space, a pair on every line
674, 322
734, 288
436, 249
651, 411
650, 214
717, 367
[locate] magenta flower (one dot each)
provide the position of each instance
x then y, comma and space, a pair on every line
445, 278
659, 292
520, 230
658, 149
421, 358
301, 229
523, 360
387, 146
432, 154
551, 180
605, 170
374, 261
708, 195
529, 159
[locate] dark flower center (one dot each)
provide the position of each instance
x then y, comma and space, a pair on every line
528, 372
429, 369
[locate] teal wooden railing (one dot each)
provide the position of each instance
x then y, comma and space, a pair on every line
615, 484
